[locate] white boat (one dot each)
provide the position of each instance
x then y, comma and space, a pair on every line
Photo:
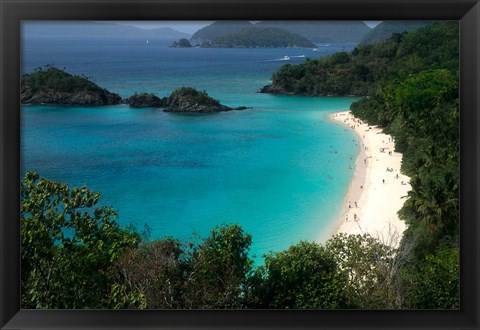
285, 58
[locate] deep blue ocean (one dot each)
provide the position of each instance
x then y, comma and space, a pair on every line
279, 169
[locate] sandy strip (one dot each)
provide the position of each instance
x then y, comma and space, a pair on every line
377, 191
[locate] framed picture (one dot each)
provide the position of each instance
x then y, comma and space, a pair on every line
239, 164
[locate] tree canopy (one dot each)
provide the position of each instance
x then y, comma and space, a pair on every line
254, 37
75, 255
368, 67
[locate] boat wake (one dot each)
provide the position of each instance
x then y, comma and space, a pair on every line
286, 58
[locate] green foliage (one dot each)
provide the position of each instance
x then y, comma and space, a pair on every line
50, 77
411, 80
219, 269
121, 297
152, 275
369, 67
74, 255
219, 29
200, 97
68, 245
421, 111
369, 266
305, 276
165, 274
51, 85
434, 283
253, 37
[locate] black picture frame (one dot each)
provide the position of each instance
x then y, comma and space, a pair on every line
14, 11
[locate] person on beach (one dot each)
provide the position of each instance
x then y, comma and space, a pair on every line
349, 205
355, 217
356, 205
346, 218
383, 180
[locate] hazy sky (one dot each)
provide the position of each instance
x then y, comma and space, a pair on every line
372, 23
188, 26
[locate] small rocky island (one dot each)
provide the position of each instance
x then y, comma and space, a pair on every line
273, 89
182, 43
50, 85
188, 99
145, 100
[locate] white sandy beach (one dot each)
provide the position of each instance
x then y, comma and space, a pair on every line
378, 192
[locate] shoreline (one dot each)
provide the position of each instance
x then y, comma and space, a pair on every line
377, 185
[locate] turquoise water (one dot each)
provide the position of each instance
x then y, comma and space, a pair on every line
279, 169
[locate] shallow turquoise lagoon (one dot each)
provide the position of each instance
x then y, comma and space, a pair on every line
279, 169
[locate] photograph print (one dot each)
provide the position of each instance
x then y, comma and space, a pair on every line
305, 165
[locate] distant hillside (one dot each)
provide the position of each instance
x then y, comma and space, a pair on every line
219, 29
256, 37
361, 71
384, 30
84, 29
323, 31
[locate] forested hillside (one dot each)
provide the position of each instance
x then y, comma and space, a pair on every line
219, 29
255, 37
411, 84
315, 31
384, 30
368, 67
322, 31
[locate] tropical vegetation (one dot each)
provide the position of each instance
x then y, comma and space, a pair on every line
219, 29
75, 255
410, 85
315, 31
384, 30
52, 85
367, 68
266, 37
323, 31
